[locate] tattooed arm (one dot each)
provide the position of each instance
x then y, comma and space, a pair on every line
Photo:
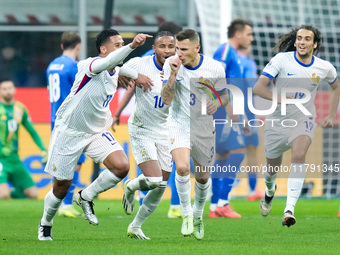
168, 90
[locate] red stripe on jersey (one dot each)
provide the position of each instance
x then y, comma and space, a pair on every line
92, 63
85, 80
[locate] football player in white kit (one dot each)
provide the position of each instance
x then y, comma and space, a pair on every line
294, 67
81, 127
189, 76
148, 134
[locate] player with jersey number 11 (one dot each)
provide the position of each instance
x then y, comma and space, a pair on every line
81, 127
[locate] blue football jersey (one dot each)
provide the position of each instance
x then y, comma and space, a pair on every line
226, 54
226, 137
250, 77
60, 75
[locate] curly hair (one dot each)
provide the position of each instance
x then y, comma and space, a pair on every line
286, 41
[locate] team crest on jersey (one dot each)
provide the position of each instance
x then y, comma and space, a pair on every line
315, 78
201, 81
54, 167
142, 152
172, 140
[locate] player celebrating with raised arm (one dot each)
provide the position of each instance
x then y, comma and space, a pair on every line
294, 60
81, 127
187, 78
149, 135
60, 75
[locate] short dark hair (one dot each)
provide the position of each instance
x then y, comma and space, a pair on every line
238, 25
69, 40
170, 26
287, 41
163, 33
104, 36
190, 34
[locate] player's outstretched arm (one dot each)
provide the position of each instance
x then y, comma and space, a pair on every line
168, 89
139, 40
111, 60
328, 121
117, 56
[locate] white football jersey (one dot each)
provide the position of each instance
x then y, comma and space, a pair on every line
194, 83
289, 72
86, 109
150, 114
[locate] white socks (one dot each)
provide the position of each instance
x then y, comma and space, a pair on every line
105, 181
222, 202
294, 186
212, 207
51, 206
150, 203
270, 180
183, 186
201, 193
144, 183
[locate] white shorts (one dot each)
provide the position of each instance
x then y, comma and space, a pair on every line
65, 150
146, 149
179, 137
278, 140
202, 149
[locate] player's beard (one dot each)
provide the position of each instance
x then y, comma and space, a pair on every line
7, 98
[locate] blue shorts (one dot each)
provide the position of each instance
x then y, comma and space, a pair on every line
234, 140
252, 140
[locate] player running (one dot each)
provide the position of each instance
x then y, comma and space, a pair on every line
187, 78
81, 127
60, 75
149, 135
294, 67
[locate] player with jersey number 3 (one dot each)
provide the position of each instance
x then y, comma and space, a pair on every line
186, 78
81, 127
295, 68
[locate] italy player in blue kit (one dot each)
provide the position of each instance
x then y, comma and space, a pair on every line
230, 145
60, 74
252, 141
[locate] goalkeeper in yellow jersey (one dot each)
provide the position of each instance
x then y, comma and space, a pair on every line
12, 170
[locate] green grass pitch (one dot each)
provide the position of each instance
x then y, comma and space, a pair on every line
317, 231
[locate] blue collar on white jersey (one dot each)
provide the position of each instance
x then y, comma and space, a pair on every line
311, 63
196, 67
157, 66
